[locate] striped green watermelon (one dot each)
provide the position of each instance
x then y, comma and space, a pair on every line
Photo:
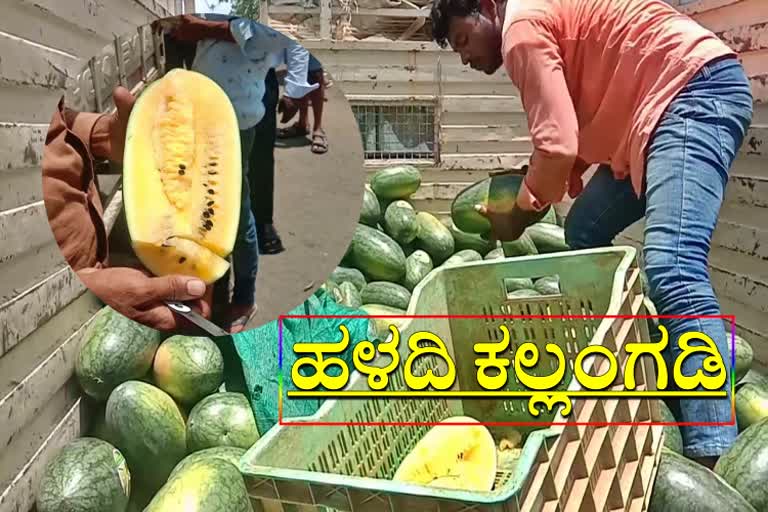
434, 238
350, 295
744, 357
116, 349
548, 285
417, 266
382, 325
745, 465
149, 430
231, 454
673, 439
523, 246
222, 419
87, 475
397, 182
188, 368
683, 485
386, 293
518, 283
465, 256
333, 290
497, 192
751, 404
547, 238
377, 255
206, 485
523, 293
400, 222
496, 254
463, 240
370, 213
354, 276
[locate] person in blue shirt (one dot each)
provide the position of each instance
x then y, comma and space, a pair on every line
238, 54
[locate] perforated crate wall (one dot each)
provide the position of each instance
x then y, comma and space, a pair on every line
562, 468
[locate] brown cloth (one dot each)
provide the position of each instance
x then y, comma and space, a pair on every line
70, 189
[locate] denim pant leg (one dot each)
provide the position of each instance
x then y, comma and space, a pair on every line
604, 209
261, 171
245, 256
688, 161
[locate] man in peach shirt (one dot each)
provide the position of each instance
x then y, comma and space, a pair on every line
662, 105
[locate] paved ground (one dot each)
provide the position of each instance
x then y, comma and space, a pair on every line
317, 204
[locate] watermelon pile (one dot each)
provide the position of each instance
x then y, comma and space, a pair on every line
168, 436
395, 247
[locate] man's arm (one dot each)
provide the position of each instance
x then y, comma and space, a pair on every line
535, 65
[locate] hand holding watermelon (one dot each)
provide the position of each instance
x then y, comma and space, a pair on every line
507, 226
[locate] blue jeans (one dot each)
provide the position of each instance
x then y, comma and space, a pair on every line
687, 166
245, 256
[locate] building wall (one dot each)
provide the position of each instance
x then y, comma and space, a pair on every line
46, 48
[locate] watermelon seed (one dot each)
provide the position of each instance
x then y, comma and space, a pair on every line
182, 259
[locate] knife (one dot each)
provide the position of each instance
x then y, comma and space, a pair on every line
185, 311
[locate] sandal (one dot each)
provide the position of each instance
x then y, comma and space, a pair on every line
269, 240
319, 142
292, 132
240, 321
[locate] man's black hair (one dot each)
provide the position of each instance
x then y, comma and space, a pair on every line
442, 13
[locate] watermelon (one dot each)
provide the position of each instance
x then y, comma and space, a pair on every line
523, 292
744, 357
87, 475
518, 283
745, 465
753, 376
223, 419
188, 368
381, 325
496, 254
400, 222
370, 213
547, 238
683, 485
462, 240
434, 238
409, 249
333, 290
205, 485
99, 429
116, 349
465, 256
354, 276
496, 192
417, 266
396, 182
751, 404
523, 246
550, 217
149, 430
673, 439
386, 293
350, 295
548, 285
231, 454
377, 255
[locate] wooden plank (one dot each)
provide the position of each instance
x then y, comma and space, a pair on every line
20, 494
19, 186
756, 142
721, 17
34, 306
23, 229
493, 133
24, 104
21, 144
484, 104
516, 120
394, 12
29, 63
741, 288
23, 19
29, 268
483, 161
30, 395
747, 37
750, 323
368, 87
515, 145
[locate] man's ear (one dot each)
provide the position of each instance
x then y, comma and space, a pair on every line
488, 9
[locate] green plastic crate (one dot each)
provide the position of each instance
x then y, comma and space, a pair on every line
580, 468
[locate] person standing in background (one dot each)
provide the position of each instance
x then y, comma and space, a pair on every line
237, 53
317, 98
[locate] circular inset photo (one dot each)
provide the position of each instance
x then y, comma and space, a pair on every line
201, 176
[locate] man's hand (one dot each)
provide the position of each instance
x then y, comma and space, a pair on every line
289, 107
509, 225
140, 297
108, 135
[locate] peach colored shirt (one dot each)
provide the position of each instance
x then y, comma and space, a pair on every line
595, 77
